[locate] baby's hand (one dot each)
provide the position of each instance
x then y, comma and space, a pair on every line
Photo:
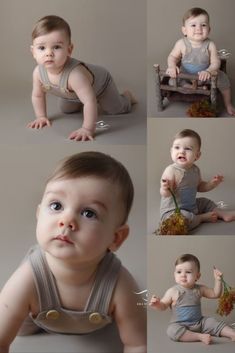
165, 184
217, 179
173, 71
154, 301
82, 134
217, 274
204, 75
39, 123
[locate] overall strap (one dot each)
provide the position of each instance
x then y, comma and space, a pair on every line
187, 45
69, 66
44, 77
44, 281
105, 281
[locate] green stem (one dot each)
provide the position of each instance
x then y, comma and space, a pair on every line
226, 286
177, 210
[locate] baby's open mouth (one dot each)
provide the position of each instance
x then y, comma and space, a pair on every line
182, 158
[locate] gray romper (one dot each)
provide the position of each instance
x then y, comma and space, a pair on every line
104, 87
56, 319
197, 59
186, 315
185, 193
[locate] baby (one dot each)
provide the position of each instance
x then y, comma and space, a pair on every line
197, 54
76, 83
71, 282
187, 323
183, 177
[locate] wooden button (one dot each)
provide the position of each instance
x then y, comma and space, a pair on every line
52, 315
95, 318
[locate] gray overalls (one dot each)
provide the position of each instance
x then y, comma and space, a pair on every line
197, 59
186, 315
104, 87
56, 319
186, 192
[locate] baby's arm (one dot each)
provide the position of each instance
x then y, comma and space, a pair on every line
213, 293
39, 103
130, 314
80, 84
205, 186
167, 181
15, 304
214, 63
174, 58
164, 303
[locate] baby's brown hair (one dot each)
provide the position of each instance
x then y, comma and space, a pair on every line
188, 258
189, 133
194, 12
49, 24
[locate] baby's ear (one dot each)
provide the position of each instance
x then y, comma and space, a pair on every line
119, 237
198, 155
70, 49
183, 29
199, 275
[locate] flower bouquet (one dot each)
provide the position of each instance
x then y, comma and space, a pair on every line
226, 300
201, 109
176, 224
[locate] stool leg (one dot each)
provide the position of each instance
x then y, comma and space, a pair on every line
159, 98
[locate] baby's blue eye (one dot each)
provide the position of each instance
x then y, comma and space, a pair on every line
88, 213
55, 206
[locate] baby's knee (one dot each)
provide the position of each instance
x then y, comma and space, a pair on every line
175, 331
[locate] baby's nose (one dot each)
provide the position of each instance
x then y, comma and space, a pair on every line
70, 224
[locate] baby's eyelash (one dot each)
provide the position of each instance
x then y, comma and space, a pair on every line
89, 213
55, 206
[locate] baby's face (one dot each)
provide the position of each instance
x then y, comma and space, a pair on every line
185, 151
78, 218
186, 274
52, 50
196, 28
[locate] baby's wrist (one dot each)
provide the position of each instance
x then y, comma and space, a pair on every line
88, 129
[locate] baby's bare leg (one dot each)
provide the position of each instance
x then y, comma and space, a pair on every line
190, 336
210, 217
226, 93
227, 216
228, 332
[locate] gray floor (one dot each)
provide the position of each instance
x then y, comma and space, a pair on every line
158, 341
95, 343
16, 112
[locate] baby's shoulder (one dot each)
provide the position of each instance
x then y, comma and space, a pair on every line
170, 170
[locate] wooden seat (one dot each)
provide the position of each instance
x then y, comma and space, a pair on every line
174, 91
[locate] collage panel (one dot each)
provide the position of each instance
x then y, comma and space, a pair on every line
108, 40
39, 201
175, 49
174, 277
202, 179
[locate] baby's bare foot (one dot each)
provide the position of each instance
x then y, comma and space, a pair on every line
231, 110
205, 338
227, 216
211, 217
129, 95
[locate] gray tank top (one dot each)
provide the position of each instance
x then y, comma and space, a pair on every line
56, 319
101, 79
188, 305
195, 59
185, 191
